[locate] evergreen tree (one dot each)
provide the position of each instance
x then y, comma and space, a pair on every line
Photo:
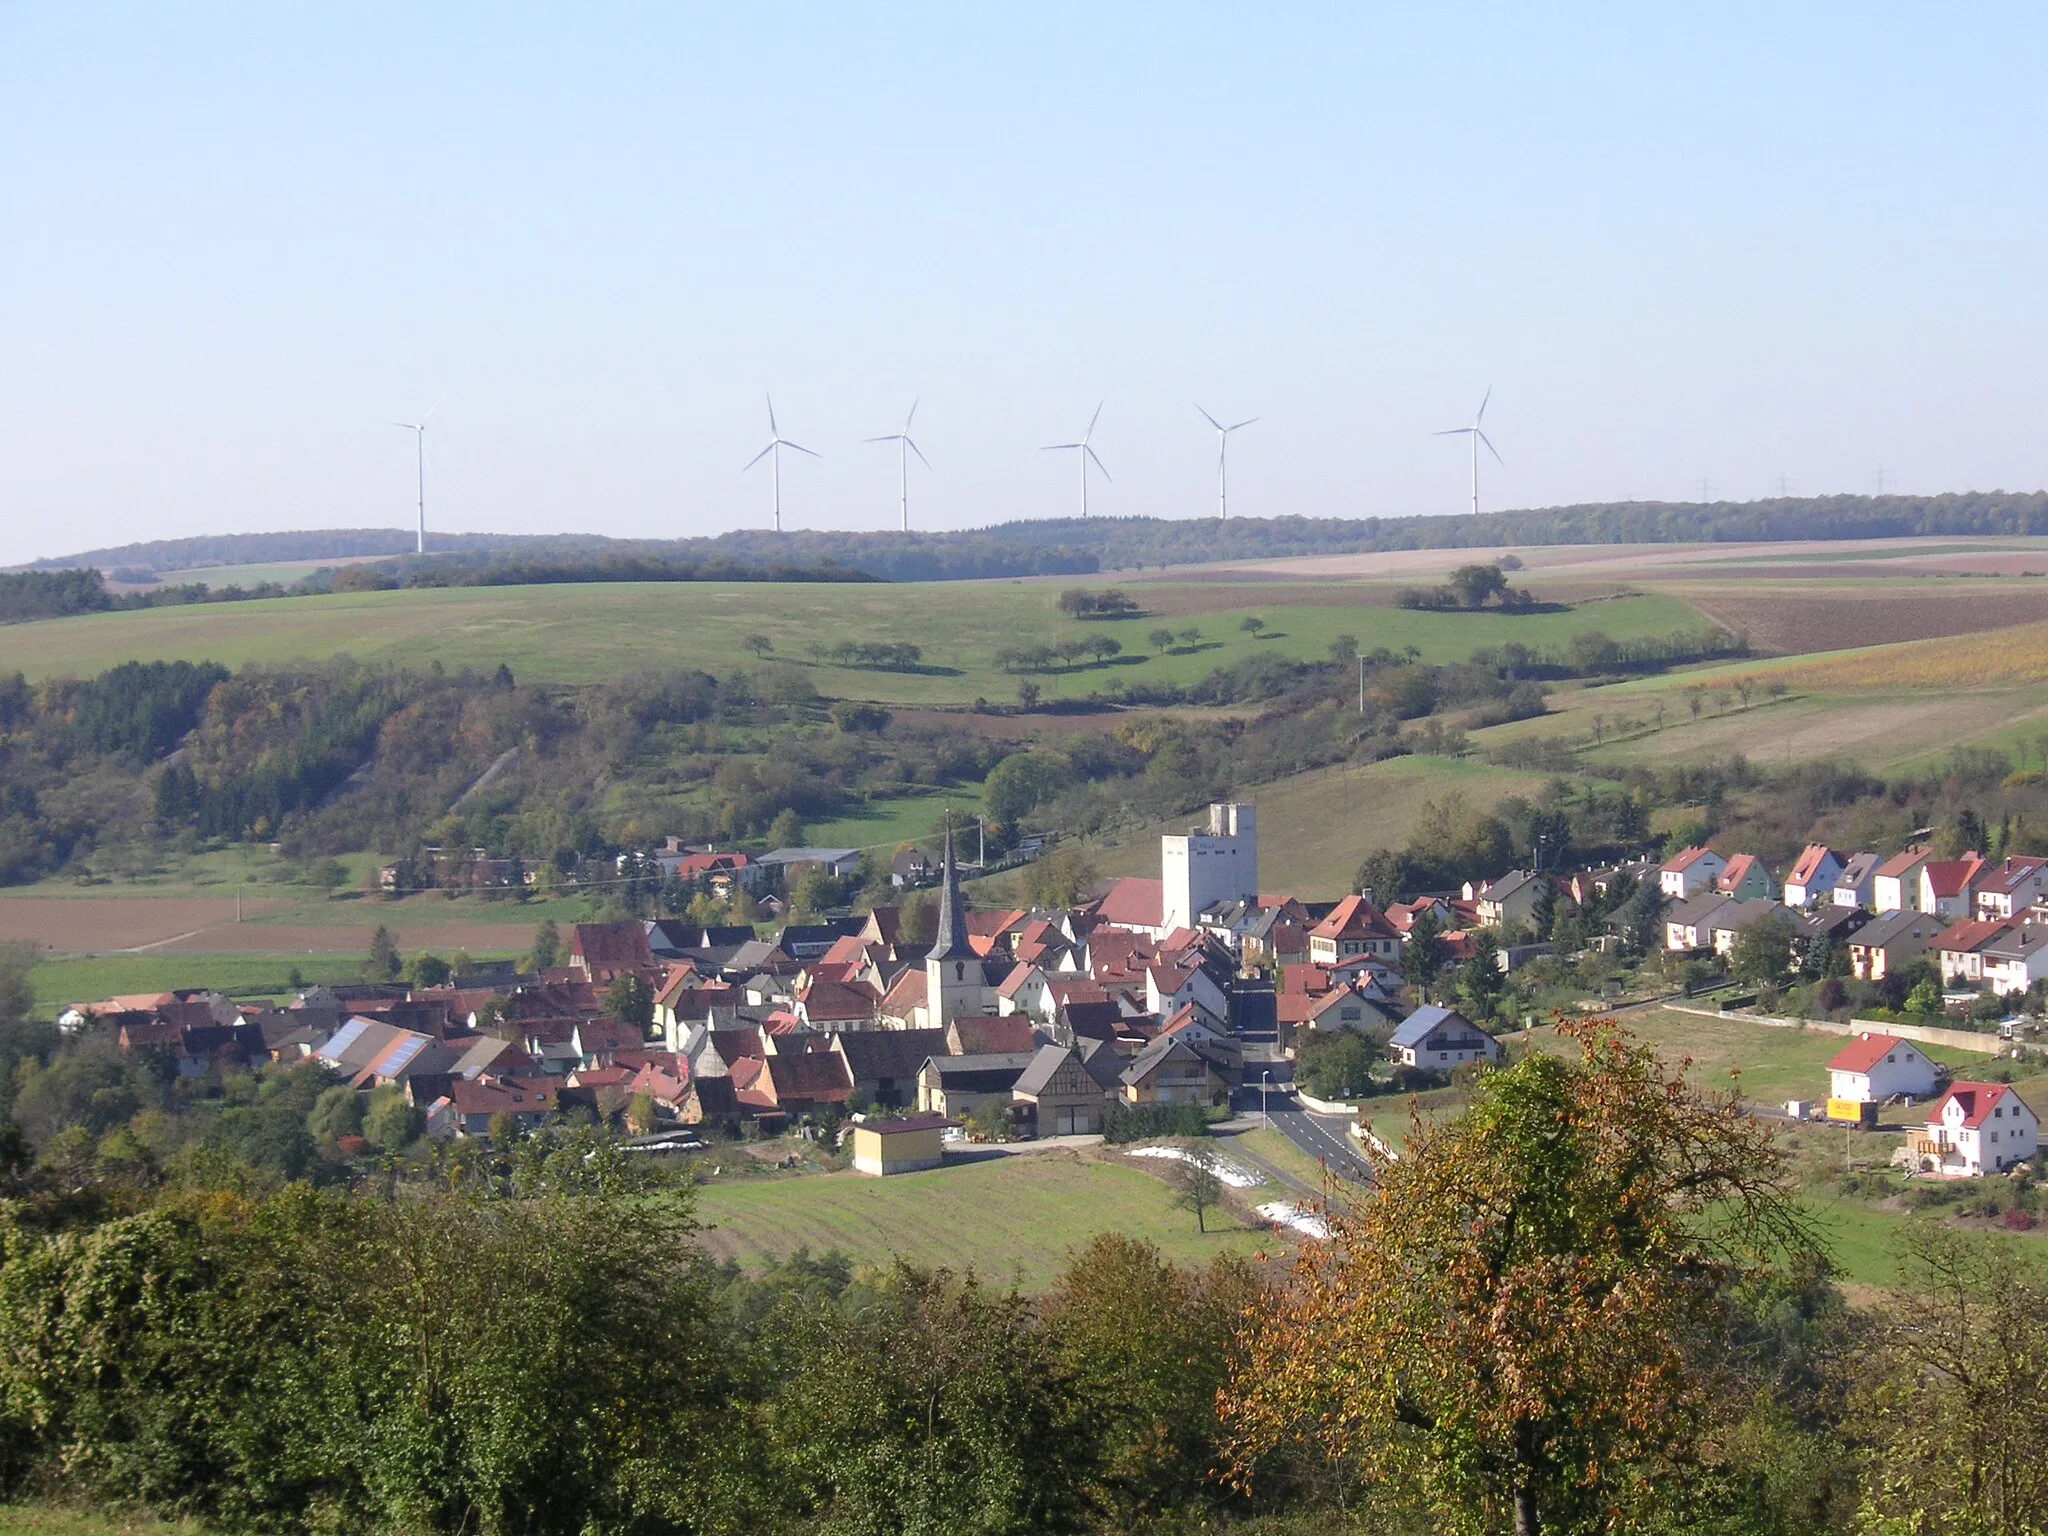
384, 963
547, 945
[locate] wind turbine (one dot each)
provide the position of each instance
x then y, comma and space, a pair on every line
904, 449
1478, 437
1083, 453
418, 429
776, 443
1222, 455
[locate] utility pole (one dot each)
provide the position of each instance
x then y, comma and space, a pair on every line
981, 845
238, 903
1361, 685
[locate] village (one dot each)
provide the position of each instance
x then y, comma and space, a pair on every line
1147, 1011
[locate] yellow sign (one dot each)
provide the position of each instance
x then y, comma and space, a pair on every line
1845, 1109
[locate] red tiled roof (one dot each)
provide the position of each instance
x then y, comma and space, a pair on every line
1950, 877
1863, 1053
1961, 938
1737, 871
1355, 918
1811, 857
995, 1037
818, 1076
621, 946
1977, 1099
1684, 859
1133, 903
1901, 863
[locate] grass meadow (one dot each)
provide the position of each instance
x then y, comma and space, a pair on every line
583, 634
1010, 1219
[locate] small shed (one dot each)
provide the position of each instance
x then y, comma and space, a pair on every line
898, 1146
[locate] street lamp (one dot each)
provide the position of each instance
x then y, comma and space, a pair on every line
1265, 1083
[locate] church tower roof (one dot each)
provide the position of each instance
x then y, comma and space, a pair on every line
951, 939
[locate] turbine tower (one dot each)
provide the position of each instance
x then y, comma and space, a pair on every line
904, 449
418, 429
1083, 453
776, 443
1222, 459
1478, 437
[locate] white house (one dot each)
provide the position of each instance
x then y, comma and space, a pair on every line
1856, 885
2014, 958
2012, 887
1813, 876
1687, 874
1440, 1038
1896, 887
1873, 1068
1948, 886
1975, 1129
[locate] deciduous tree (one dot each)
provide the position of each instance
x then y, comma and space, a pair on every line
1526, 1320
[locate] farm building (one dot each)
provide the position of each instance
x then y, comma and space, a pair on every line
883, 1147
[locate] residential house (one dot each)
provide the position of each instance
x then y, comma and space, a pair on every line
1689, 925
1886, 943
1975, 1129
1687, 873
1058, 1096
2014, 958
1873, 1068
1510, 901
962, 1086
1745, 877
1726, 925
836, 1005
1348, 1007
912, 869
1960, 950
2010, 887
969, 1036
1355, 927
1948, 886
1812, 876
1170, 1071
597, 1042
468, 1108
909, 1145
713, 1101
1856, 885
1896, 886
1440, 1038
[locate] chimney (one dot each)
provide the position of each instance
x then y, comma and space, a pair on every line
1365, 893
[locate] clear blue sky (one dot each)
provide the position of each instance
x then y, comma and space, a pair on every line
1751, 241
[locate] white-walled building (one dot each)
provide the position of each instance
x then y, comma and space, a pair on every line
1872, 1068
1688, 874
1976, 1128
1202, 868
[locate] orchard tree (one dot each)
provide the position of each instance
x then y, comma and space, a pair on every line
1762, 952
1196, 1185
1527, 1322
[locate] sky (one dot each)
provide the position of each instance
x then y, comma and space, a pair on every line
1735, 247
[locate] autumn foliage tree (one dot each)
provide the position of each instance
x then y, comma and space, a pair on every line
1526, 1323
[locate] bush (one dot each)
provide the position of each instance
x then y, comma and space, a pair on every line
1147, 1122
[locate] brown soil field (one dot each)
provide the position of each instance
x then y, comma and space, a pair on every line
77, 924
1795, 622
1860, 559
120, 924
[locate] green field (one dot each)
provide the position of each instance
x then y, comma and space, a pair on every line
1316, 828
1007, 1218
48, 1520
58, 982
580, 634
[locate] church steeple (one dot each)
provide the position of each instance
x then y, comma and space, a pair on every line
951, 939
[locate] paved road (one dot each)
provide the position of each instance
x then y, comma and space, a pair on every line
1323, 1137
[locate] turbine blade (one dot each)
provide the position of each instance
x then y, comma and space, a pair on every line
1098, 463
1092, 420
1482, 406
1489, 446
1245, 423
1060, 447
757, 458
410, 426
773, 430
913, 413
1454, 432
916, 450
1211, 419
800, 448
889, 439
430, 414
